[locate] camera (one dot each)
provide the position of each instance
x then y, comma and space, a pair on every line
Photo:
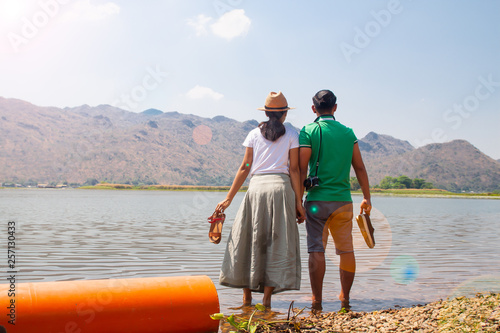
311, 182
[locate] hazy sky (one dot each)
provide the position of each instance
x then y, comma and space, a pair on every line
422, 71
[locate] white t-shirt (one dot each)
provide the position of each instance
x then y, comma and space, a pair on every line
269, 156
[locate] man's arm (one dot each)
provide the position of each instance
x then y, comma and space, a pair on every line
304, 157
362, 176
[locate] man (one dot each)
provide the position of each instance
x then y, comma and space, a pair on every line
329, 149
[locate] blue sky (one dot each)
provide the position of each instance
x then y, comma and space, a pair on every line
422, 71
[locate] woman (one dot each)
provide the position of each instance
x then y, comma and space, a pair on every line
262, 252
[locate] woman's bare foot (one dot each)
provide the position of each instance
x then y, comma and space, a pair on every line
266, 300
247, 296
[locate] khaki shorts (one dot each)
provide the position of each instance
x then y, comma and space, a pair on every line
329, 216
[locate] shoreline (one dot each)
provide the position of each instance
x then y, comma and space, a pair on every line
479, 313
475, 314
414, 193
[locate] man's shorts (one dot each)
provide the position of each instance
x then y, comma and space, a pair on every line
335, 216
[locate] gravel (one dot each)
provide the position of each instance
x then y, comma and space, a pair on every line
477, 314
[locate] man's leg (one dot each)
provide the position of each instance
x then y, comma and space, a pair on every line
317, 269
340, 225
347, 271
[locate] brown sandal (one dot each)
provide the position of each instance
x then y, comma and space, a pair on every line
216, 221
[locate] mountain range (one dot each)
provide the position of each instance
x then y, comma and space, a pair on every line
108, 144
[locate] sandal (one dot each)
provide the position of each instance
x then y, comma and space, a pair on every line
216, 221
367, 230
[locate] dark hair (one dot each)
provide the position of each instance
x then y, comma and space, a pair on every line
273, 129
324, 101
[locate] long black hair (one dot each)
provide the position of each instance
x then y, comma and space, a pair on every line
273, 129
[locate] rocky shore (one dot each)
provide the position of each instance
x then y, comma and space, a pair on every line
477, 314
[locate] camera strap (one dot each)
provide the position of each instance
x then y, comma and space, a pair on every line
319, 150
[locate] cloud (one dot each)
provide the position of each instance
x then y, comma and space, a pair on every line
232, 24
199, 92
200, 24
83, 9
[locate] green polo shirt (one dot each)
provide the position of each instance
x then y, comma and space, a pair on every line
335, 159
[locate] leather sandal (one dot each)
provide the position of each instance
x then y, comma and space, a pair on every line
216, 222
366, 228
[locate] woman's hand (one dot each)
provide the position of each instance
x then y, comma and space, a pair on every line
221, 206
301, 214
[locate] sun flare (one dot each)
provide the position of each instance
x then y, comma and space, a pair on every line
12, 8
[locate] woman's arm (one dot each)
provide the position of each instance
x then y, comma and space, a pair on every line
305, 156
239, 179
295, 180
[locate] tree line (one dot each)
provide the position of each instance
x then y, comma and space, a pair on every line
389, 182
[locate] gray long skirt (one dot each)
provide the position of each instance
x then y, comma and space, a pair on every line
263, 247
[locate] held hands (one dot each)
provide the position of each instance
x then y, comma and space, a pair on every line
301, 214
366, 205
221, 206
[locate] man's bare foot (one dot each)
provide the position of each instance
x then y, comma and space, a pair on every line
345, 306
344, 302
316, 306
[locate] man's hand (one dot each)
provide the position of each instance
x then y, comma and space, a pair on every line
301, 215
366, 206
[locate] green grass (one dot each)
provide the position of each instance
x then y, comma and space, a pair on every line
427, 192
161, 187
373, 191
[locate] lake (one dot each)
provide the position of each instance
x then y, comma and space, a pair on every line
427, 248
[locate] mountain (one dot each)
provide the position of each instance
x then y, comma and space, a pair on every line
109, 144
152, 112
375, 145
48, 144
455, 165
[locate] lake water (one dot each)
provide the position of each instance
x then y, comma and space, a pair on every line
427, 249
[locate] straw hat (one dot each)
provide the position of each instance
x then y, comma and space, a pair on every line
275, 102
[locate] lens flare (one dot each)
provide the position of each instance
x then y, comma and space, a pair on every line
404, 269
481, 284
12, 9
202, 135
367, 259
